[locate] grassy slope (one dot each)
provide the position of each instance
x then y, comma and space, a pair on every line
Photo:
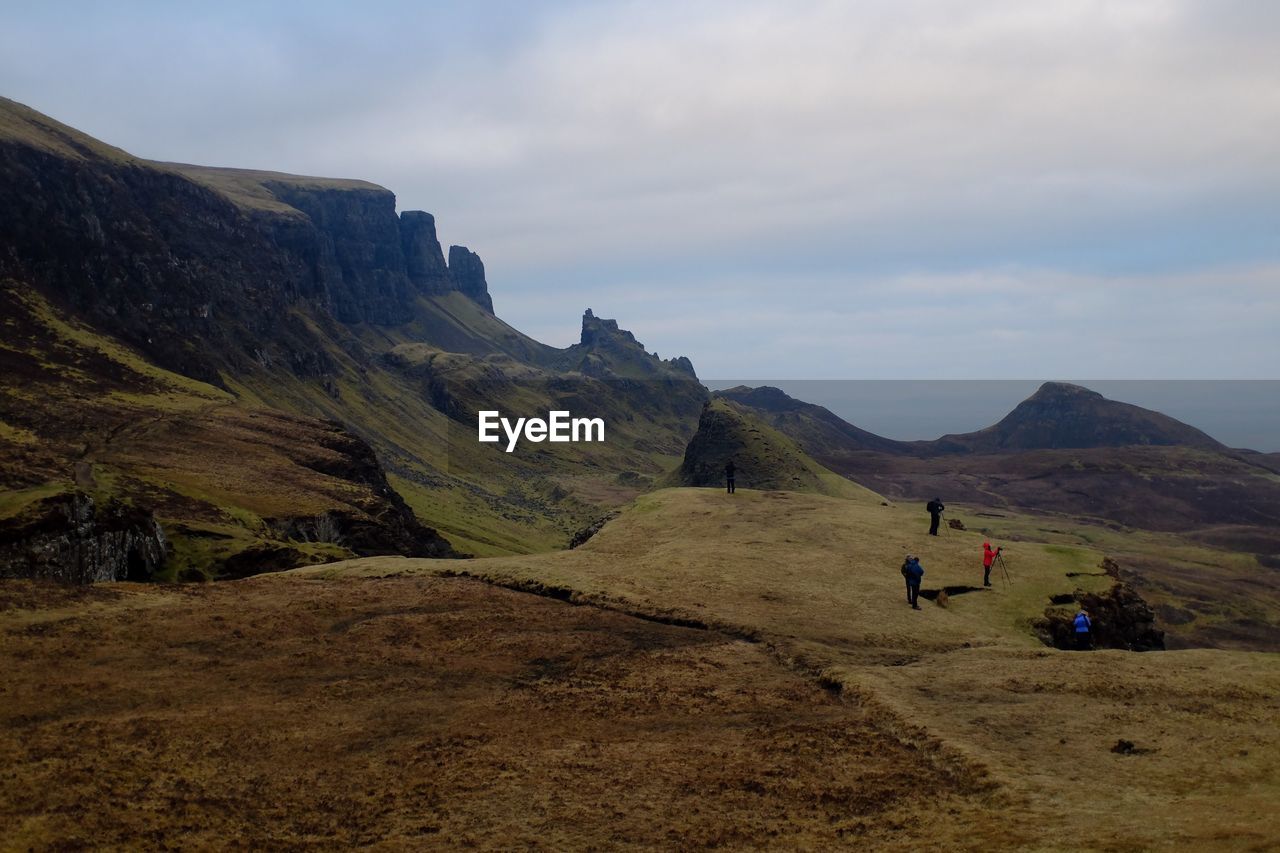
23, 125
817, 579
763, 456
158, 439
1202, 596
476, 498
484, 500
246, 187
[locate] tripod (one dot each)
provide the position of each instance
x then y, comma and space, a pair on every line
1004, 570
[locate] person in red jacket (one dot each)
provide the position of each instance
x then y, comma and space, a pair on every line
988, 557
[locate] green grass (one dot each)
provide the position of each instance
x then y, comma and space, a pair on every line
17, 435
180, 388
12, 503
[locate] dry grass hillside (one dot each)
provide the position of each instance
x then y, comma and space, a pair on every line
815, 579
750, 676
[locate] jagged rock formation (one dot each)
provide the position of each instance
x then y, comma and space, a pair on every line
381, 524
467, 274
424, 262
604, 349
72, 539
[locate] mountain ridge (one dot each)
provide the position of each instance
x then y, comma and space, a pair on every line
211, 301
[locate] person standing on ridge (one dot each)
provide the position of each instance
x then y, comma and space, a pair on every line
1084, 627
935, 508
728, 476
988, 557
913, 572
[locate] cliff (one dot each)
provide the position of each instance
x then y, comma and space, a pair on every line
72, 539
158, 252
186, 340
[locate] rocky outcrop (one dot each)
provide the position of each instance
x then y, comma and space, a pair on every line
72, 539
606, 350
584, 534
466, 271
380, 524
1121, 620
423, 259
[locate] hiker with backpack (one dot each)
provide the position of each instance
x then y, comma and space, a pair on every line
912, 573
935, 508
1084, 629
728, 476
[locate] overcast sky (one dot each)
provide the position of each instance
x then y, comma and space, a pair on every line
778, 190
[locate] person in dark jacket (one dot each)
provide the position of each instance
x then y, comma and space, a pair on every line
988, 557
728, 476
935, 508
913, 572
1084, 630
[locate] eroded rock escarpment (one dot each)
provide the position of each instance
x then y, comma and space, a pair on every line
72, 539
1121, 619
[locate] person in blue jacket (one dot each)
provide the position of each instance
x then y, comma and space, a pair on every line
912, 572
1084, 628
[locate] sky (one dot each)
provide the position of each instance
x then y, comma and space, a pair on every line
906, 189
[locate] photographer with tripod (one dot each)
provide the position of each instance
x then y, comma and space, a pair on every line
988, 559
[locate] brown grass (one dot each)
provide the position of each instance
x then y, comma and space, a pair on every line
421, 711
816, 580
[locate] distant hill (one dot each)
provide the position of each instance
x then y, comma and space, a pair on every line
1065, 449
1060, 415
812, 425
279, 369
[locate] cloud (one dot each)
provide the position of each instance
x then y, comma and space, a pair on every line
775, 169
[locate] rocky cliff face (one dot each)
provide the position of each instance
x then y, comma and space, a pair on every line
424, 262
159, 254
606, 349
72, 539
355, 252
467, 273
383, 523
264, 285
